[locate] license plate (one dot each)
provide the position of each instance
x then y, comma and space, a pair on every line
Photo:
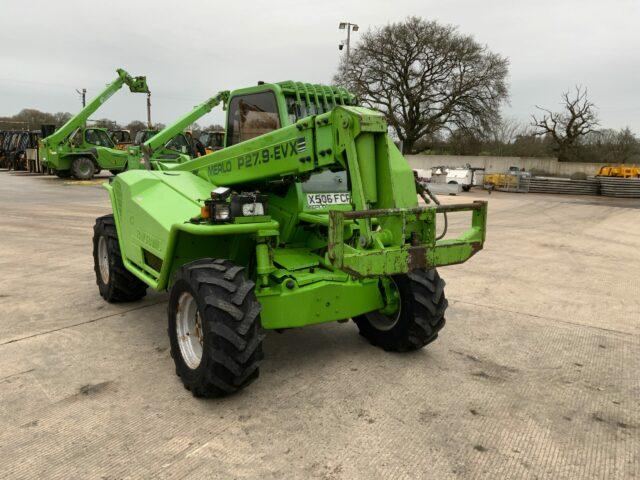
323, 200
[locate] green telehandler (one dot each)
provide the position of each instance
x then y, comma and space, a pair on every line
171, 144
308, 215
80, 151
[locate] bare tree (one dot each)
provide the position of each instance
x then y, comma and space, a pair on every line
60, 118
610, 146
506, 130
426, 77
502, 134
567, 127
107, 123
135, 126
625, 146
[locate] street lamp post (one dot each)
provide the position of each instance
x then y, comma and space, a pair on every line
83, 96
349, 27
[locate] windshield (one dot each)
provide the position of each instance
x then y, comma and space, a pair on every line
251, 115
212, 139
296, 110
144, 135
121, 136
98, 137
179, 143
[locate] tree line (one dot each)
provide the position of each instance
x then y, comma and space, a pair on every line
32, 119
442, 91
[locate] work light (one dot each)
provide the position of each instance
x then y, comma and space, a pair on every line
221, 211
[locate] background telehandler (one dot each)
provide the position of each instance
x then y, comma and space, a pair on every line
80, 151
121, 138
308, 215
213, 140
171, 143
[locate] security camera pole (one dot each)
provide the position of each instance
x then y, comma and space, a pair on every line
349, 26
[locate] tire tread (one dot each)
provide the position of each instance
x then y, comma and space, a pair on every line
123, 285
426, 303
233, 332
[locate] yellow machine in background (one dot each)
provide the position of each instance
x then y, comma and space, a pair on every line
623, 171
514, 180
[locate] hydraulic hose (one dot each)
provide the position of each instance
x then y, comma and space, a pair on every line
430, 196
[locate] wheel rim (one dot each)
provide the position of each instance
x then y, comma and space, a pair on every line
103, 260
189, 330
386, 321
85, 168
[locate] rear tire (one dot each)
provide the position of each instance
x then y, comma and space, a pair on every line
83, 168
419, 318
214, 328
115, 282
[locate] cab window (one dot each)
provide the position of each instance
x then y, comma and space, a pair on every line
98, 137
75, 138
179, 143
120, 136
144, 135
251, 115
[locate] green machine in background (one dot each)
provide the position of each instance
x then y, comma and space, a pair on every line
80, 151
308, 215
171, 144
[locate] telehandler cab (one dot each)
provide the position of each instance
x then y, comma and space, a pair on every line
308, 215
121, 138
212, 141
79, 151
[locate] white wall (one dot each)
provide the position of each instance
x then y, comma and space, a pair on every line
550, 166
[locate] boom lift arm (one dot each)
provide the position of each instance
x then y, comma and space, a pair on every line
135, 84
162, 137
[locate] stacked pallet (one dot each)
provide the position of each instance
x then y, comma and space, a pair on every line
566, 186
620, 187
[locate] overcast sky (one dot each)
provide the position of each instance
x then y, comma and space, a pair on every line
191, 49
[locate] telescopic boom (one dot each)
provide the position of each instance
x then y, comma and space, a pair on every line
163, 136
135, 84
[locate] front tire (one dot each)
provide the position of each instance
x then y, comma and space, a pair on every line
417, 321
115, 282
83, 168
214, 328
